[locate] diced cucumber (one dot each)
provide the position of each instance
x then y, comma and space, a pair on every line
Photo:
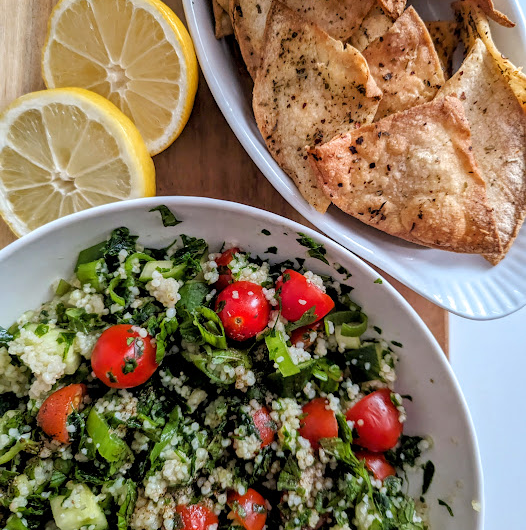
166, 268
77, 510
52, 342
349, 343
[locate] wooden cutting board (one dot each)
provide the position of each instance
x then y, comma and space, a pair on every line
206, 159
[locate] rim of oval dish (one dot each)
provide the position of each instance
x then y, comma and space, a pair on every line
470, 287
334, 247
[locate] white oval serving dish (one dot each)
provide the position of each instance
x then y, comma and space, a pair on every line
463, 284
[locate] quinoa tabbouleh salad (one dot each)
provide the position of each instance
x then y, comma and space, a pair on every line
178, 389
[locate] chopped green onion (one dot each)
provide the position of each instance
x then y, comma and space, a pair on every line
29, 446
338, 318
89, 273
109, 446
355, 329
91, 254
113, 295
139, 256
279, 353
210, 327
63, 287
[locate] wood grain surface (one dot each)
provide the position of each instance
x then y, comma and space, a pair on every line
206, 159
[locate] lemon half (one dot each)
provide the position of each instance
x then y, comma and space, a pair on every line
66, 150
136, 53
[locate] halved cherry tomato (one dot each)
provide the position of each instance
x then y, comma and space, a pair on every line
376, 421
122, 358
265, 426
53, 414
196, 517
303, 335
243, 310
376, 464
299, 295
225, 274
248, 510
319, 422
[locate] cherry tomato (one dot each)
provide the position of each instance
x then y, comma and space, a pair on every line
122, 358
319, 422
243, 310
248, 510
376, 464
303, 335
299, 295
265, 426
225, 274
196, 517
376, 420
53, 414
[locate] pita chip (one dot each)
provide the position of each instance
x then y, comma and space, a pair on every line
374, 25
405, 65
498, 128
393, 7
309, 89
339, 18
412, 175
223, 26
475, 25
446, 37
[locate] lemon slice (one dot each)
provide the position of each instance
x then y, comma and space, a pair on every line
136, 53
65, 150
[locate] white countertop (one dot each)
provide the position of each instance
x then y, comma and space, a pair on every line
488, 359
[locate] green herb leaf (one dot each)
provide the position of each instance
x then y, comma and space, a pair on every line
167, 328
316, 250
379, 281
127, 507
167, 217
129, 365
429, 471
210, 327
443, 503
309, 317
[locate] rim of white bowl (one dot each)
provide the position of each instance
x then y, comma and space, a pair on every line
263, 215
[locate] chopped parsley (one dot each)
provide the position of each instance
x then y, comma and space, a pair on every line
167, 217
395, 343
316, 250
443, 503
379, 281
265, 232
378, 330
271, 250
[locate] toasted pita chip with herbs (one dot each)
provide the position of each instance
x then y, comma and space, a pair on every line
405, 65
446, 37
309, 89
374, 25
498, 128
475, 25
414, 176
395, 8
223, 26
489, 9
339, 18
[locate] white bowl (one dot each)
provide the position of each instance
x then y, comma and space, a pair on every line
463, 284
30, 265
